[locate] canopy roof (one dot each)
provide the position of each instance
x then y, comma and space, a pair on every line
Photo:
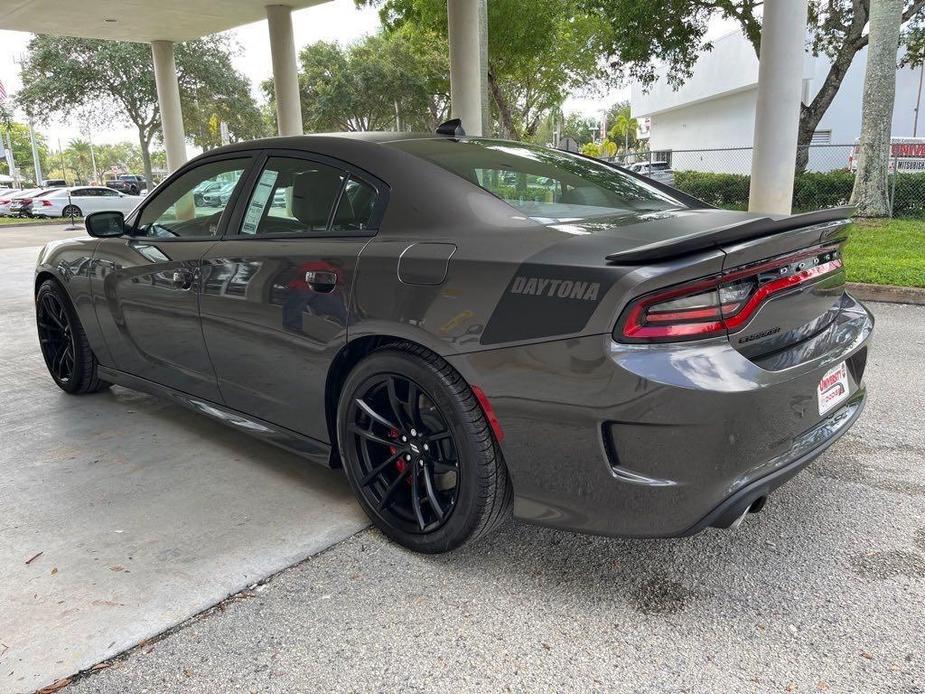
135, 20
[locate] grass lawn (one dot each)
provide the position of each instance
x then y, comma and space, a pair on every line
14, 221
887, 251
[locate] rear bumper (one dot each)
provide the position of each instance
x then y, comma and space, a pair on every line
823, 436
662, 440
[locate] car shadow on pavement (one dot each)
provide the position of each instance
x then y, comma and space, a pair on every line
177, 425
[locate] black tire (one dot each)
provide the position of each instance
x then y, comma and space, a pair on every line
71, 211
70, 361
133, 191
463, 473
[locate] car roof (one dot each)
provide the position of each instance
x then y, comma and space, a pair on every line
307, 142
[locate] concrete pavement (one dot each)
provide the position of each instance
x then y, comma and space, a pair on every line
123, 515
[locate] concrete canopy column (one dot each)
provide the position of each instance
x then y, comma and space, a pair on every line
464, 20
285, 70
168, 99
777, 113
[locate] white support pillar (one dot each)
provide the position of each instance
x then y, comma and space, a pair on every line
168, 99
464, 22
285, 70
777, 113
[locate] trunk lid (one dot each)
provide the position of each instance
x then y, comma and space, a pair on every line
781, 279
797, 313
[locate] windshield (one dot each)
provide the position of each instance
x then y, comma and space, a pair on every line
545, 184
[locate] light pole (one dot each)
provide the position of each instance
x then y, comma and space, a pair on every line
918, 102
36, 164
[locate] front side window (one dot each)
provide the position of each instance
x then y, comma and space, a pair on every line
297, 196
545, 184
192, 205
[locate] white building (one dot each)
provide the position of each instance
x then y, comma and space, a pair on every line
715, 109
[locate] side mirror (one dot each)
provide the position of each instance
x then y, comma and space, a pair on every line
103, 225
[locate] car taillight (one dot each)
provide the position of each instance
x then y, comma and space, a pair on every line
46, 203
721, 303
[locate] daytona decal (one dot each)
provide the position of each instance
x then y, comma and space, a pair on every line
545, 300
563, 289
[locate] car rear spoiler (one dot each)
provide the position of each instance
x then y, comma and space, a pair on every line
730, 233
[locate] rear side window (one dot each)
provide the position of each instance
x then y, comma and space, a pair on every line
298, 196
355, 208
542, 183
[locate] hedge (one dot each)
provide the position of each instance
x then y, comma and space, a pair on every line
811, 190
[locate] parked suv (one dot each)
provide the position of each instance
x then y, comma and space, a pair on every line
132, 184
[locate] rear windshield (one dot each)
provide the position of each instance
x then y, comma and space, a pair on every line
545, 184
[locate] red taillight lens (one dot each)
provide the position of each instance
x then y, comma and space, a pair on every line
46, 203
721, 303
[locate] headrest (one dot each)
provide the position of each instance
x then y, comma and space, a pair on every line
313, 193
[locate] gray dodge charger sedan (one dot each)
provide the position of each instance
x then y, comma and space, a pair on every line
473, 328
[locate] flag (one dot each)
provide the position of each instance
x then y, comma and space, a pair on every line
2, 93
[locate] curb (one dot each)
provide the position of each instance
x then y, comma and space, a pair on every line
887, 293
4, 227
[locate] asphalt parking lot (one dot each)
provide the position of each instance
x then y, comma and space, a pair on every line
822, 591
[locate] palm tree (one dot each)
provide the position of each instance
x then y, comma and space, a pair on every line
80, 158
624, 125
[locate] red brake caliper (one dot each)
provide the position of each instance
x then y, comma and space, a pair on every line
400, 464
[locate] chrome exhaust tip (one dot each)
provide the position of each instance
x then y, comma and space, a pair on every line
738, 521
754, 507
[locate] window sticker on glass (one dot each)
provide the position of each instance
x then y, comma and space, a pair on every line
263, 191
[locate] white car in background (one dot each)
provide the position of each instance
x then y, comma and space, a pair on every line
18, 205
79, 201
7, 195
657, 170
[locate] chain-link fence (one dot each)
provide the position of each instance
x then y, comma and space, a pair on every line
721, 177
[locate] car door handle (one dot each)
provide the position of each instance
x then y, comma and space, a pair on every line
321, 281
182, 279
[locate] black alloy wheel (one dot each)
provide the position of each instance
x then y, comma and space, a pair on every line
56, 337
408, 459
64, 344
419, 452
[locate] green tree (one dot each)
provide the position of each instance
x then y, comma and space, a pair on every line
80, 159
122, 156
219, 94
387, 81
579, 128
22, 147
623, 128
649, 34
116, 79
539, 51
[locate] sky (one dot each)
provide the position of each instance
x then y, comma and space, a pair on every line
337, 21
